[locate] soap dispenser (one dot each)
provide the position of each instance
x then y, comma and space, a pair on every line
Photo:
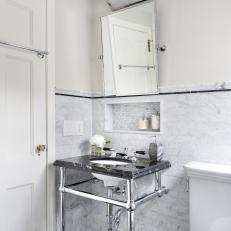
153, 148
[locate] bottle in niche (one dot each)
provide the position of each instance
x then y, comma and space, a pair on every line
155, 121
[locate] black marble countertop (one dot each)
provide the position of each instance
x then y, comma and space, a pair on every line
139, 168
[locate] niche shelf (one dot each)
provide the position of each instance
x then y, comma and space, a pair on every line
124, 117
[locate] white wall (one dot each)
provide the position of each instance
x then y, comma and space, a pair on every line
100, 8
73, 45
78, 46
197, 34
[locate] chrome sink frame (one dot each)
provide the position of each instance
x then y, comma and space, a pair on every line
130, 205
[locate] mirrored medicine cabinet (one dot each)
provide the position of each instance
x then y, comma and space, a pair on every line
129, 51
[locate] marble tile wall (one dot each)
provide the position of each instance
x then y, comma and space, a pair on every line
195, 127
72, 108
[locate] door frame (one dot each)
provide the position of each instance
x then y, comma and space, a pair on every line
50, 105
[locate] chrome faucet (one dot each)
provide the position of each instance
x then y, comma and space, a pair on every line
126, 151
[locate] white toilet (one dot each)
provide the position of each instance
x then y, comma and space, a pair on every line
210, 196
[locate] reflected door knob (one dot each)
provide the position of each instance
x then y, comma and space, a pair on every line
40, 148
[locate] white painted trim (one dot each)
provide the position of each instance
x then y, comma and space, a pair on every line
51, 202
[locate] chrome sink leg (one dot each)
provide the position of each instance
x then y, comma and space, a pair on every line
159, 181
131, 205
110, 211
61, 193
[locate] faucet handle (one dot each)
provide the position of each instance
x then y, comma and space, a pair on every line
140, 152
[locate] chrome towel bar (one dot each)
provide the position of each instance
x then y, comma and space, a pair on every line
40, 54
135, 66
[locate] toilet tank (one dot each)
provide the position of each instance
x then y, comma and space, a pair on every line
209, 196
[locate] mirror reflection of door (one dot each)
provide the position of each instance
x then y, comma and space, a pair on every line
128, 44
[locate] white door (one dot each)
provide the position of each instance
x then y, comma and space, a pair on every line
23, 22
132, 55
22, 127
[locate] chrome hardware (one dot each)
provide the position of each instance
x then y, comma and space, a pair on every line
162, 48
125, 150
40, 54
128, 206
40, 148
120, 66
116, 218
120, 190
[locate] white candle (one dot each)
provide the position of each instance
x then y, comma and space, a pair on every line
143, 123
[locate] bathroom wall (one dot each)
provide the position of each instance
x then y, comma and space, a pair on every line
78, 46
73, 33
194, 127
99, 9
197, 35
72, 108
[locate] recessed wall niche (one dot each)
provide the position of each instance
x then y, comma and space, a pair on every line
125, 117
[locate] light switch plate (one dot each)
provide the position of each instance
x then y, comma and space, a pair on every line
72, 128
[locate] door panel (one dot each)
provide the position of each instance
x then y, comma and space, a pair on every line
23, 22
19, 206
23, 126
19, 128
130, 48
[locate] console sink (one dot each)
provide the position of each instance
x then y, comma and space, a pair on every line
109, 181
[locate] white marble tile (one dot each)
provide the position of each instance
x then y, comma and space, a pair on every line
195, 127
72, 108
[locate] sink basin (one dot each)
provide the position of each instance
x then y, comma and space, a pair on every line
110, 162
109, 181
